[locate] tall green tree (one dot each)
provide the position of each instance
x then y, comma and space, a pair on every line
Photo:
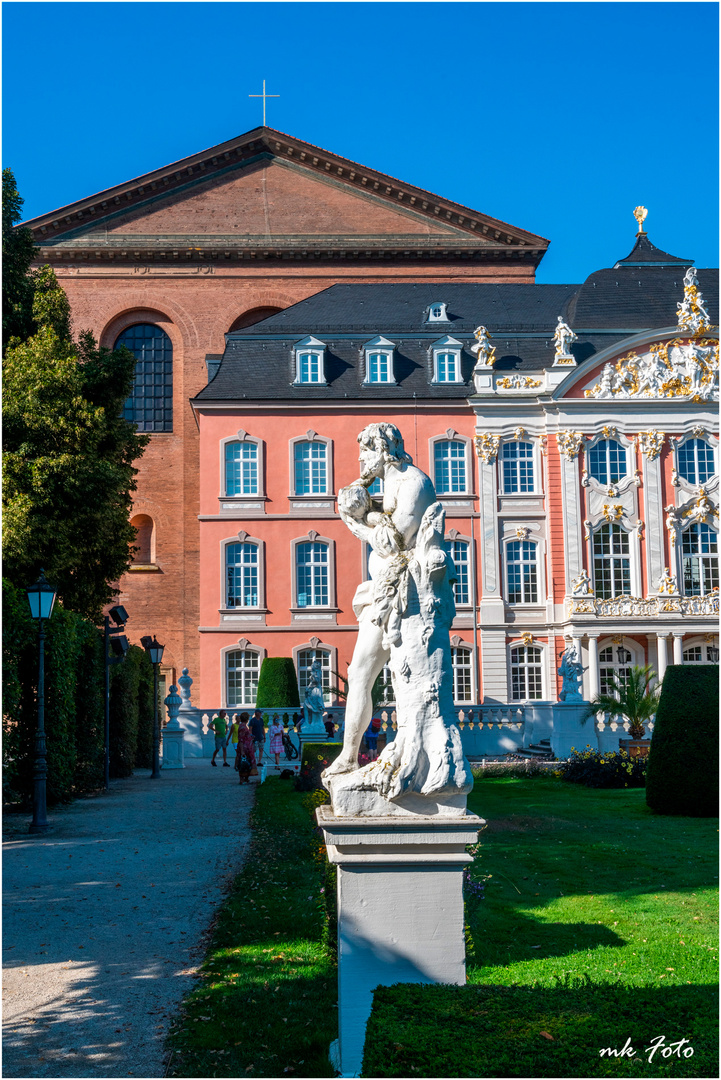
18, 251
68, 473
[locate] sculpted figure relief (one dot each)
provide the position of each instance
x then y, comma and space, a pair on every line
571, 671
563, 338
313, 703
404, 616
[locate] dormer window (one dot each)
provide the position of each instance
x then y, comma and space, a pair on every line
447, 361
437, 313
310, 362
379, 361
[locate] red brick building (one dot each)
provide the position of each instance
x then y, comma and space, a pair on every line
170, 262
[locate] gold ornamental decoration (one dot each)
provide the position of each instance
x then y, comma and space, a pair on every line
640, 213
569, 443
487, 447
651, 443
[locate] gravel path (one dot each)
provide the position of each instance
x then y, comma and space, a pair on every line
105, 917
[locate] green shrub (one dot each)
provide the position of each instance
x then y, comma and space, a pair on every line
124, 712
315, 758
683, 775
89, 711
277, 684
146, 715
597, 770
421, 1030
20, 672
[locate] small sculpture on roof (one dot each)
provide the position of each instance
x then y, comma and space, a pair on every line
640, 213
483, 350
692, 315
563, 337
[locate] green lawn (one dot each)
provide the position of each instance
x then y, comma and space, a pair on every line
590, 883
599, 923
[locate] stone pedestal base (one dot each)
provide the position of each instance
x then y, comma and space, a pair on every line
400, 910
173, 748
568, 731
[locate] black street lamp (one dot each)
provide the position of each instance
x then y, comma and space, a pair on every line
41, 597
624, 656
713, 654
113, 638
155, 651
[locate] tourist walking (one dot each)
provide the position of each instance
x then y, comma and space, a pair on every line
371, 735
245, 750
219, 724
276, 738
257, 730
232, 739
329, 725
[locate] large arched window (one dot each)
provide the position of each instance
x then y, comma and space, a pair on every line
462, 667
526, 673
517, 458
305, 659
241, 575
310, 460
312, 577
150, 404
611, 562
522, 572
449, 459
241, 468
242, 667
695, 461
607, 462
699, 551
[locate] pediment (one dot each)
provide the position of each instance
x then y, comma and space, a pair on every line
265, 188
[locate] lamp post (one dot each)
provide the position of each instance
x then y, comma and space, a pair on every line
41, 597
155, 651
113, 638
623, 655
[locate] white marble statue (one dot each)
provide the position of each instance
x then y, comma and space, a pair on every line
563, 338
692, 313
663, 370
667, 584
313, 703
571, 671
404, 617
484, 352
581, 586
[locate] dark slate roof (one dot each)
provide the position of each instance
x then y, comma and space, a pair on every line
611, 304
645, 252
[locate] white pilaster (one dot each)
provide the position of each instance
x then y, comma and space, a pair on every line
662, 655
594, 684
490, 552
654, 518
678, 648
494, 666
571, 492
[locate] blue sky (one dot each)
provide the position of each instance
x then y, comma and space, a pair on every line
558, 118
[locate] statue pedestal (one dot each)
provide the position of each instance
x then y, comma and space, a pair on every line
173, 749
313, 730
568, 731
400, 910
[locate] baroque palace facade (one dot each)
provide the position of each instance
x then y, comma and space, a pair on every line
279, 299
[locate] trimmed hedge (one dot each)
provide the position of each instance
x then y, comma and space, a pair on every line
74, 704
277, 684
683, 773
422, 1030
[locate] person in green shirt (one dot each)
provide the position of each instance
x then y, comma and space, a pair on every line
219, 724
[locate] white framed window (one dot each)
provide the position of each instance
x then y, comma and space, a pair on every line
697, 652
310, 467
447, 361
517, 467
310, 361
304, 659
607, 461
699, 557
242, 668
376, 488
242, 575
696, 461
526, 673
611, 561
460, 552
462, 667
437, 312
450, 468
242, 474
608, 667
379, 361
312, 574
522, 571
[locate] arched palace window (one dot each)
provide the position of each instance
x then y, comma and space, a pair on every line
150, 404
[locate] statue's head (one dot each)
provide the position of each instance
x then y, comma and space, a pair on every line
381, 445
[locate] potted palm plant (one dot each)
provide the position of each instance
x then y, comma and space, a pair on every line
636, 699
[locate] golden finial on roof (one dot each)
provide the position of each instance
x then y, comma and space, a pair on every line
640, 214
